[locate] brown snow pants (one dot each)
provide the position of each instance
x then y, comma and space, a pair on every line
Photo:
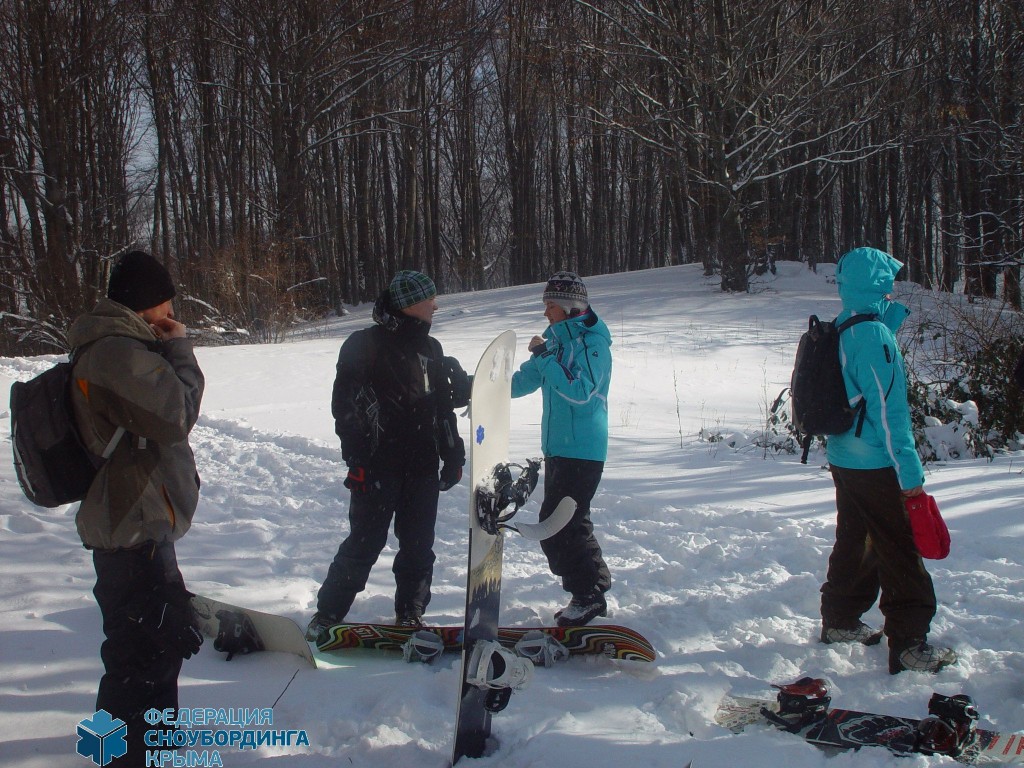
875, 554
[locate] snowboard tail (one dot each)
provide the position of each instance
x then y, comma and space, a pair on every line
237, 630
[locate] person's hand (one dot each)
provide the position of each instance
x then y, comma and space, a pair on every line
912, 492
450, 476
168, 328
460, 383
537, 345
167, 622
358, 480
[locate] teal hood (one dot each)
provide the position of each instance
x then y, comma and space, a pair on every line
865, 277
873, 371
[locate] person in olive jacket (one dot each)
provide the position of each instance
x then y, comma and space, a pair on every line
135, 370
393, 403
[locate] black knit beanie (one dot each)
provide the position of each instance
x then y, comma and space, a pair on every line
140, 282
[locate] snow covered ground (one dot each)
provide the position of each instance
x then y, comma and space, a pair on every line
717, 553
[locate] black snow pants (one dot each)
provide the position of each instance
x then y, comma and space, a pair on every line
137, 675
574, 553
875, 553
412, 501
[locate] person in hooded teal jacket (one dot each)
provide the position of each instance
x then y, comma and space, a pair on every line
571, 364
874, 557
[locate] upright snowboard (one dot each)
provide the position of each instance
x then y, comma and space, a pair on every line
490, 406
243, 630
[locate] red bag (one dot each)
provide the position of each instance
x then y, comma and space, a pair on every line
930, 532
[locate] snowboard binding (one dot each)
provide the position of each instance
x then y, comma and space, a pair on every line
950, 727
236, 634
801, 704
493, 503
498, 671
424, 646
541, 649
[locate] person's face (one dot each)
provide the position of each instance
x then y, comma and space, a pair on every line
158, 313
422, 310
554, 313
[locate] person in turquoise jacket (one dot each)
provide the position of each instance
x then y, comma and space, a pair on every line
571, 364
874, 468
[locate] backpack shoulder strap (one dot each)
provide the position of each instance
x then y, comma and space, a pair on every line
852, 321
862, 409
108, 449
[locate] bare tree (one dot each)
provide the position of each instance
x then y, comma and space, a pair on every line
284, 158
72, 171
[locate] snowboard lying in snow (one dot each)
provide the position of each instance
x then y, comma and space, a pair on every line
610, 640
803, 708
237, 630
242, 630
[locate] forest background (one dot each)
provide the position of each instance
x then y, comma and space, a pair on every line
285, 157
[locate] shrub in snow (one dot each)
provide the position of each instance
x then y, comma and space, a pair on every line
963, 399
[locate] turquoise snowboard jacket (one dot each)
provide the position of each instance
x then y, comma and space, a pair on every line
573, 371
873, 370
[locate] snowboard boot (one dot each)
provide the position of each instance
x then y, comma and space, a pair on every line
582, 609
918, 656
319, 625
408, 620
862, 633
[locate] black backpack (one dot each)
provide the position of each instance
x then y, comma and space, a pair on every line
819, 401
52, 463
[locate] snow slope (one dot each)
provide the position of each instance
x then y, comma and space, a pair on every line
717, 552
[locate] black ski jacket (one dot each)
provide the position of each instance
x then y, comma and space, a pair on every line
393, 402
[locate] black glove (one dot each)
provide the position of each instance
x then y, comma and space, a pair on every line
459, 382
450, 476
358, 480
167, 621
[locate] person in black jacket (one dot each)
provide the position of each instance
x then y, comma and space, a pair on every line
394, 398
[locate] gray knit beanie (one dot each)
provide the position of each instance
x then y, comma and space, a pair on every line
567, 290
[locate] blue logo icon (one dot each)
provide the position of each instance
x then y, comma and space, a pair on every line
480, 434
101, 738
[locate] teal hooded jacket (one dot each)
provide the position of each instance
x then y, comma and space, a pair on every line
873, 370
573, 371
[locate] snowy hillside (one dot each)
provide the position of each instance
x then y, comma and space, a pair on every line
716, 550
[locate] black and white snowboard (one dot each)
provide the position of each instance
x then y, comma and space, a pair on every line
237, 630
482, 662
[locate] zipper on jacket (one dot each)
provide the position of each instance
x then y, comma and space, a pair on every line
170, 506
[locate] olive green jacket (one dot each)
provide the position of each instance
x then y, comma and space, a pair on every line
125, 377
